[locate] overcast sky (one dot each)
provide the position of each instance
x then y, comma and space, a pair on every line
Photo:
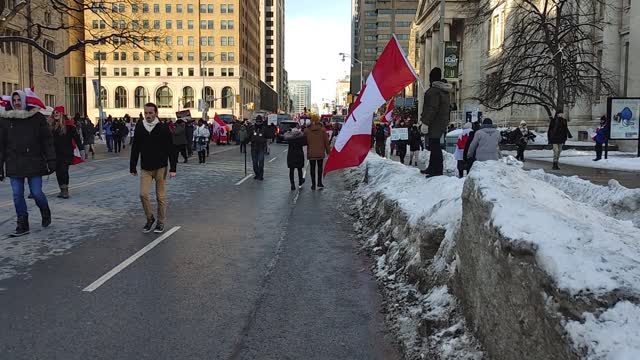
315, 32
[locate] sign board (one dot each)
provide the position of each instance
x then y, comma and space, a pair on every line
183, 115
451, 59
272, 119
624, 123
399, 134
96, 89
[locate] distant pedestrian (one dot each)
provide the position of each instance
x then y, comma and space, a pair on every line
460, 146
522, 138
189, 129
258, 135
401, 144
26, 152
558, 134
415, 143
153, 145
108, 133
381, 140
64, 136
486, 142
600, 137
469, 157
180, 140
295, 156
435, 115
201, 137
317, 148
88, 137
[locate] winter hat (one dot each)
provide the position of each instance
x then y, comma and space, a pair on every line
523, 123
59, 109
487, 121
259, 120
435, 75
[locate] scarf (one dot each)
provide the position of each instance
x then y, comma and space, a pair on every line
150, 126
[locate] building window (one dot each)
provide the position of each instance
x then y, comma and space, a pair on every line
210, 41
134, 8
210, 8
180, 71
231, 41
210, 24
145, 8
49, 62
141, 97
203, 40
223, 72
121, 98
232, 56
497, 29
187, 97
169, 71
192, 72
210, 72
223, 25
169, 56
179, 24
147, 71
208, 96
156, 56
164, 97
103, 96
190, 24
210, 56
190, 40
147, 56
203, 24
230, 24
169, 41
179, 8
168, 24
190, 56
231, 72
136, 71
230, 8
223, 56
223, 8
158, 72
145, 24
223, 41
190, 8
179, 40
156, 24
156, 8
167, 8
95, 24
180, 56
203, 8
384, 24
227, 98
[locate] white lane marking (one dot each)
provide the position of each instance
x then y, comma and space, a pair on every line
104, 278
245, 179
273, 159
285, 150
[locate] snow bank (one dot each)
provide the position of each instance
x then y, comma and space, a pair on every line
579, 247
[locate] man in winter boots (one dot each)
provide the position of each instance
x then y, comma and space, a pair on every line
26, 152
258, 136
435, 115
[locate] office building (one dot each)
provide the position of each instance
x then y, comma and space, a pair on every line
272, 48
300, 93
203, 57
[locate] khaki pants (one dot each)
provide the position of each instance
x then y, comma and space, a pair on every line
557, 149
146, 178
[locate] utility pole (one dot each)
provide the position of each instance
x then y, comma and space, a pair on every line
30, 48
100, 124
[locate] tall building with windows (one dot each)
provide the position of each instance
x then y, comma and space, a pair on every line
272, 48
374, 22
23, 66
202, 56
300, 94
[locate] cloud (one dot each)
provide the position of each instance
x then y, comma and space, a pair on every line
311, 52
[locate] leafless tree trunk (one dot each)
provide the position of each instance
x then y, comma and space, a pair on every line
548, 57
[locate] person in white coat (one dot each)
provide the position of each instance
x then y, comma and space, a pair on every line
201, 138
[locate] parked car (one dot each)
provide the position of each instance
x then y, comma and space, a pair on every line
283, 128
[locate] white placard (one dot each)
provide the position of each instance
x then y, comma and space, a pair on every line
399, 134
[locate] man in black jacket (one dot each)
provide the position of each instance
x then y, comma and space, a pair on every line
258, 139
435, 115
26, 152
153, 143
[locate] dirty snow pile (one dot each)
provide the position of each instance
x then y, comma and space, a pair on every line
586, 252
423, 312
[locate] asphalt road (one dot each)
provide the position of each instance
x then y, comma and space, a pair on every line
254, 271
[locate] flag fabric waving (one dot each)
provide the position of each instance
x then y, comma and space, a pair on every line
391, 73
388, 115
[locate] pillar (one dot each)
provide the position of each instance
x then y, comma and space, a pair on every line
435, 49
428, 46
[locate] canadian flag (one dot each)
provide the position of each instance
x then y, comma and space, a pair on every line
219, 128
388, 115
391, 73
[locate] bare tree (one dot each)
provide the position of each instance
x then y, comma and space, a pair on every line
547, 58
115, 27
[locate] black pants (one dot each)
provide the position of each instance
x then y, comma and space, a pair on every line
207, 149
118, 143
62, 173
319, 164
182, 149
189, 148
599, 150
401, 151
202, 157
436, 166
291, 179
462, 166
380, 148
521, 149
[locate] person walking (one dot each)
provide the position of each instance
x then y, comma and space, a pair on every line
558, 134
258, 137
201, 139
153, 145
317, 148
242, 138
88, 137
108, 133
26, 152
126, 127
415, 142
522, 138
189, 130
381, 139
486, 142
401, 144
461, 144
119, 129
435, 115
64, 135
180, 140
600, 137
131, 127
295, 156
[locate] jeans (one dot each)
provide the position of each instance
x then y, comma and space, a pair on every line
146, 178
436, 166
109, 143
35, 186
257, 157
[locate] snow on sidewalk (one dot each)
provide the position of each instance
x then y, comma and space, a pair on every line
620, 161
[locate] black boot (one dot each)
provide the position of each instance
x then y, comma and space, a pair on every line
46, 217
22, 228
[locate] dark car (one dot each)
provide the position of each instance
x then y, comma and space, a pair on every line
283, 128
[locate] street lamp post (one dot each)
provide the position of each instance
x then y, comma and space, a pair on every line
344, 55
100, 110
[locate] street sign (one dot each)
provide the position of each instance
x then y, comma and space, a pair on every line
96, 89
184, 115
623, 118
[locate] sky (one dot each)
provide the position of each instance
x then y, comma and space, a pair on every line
316, 31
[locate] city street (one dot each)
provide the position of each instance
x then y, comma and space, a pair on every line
245, 270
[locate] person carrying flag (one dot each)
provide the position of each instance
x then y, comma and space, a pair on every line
26, 152
65, 141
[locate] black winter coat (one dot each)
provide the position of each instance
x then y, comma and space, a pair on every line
155, 149
295, 155
63, 145
258, 136
415, 139
558, 131
26, 144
